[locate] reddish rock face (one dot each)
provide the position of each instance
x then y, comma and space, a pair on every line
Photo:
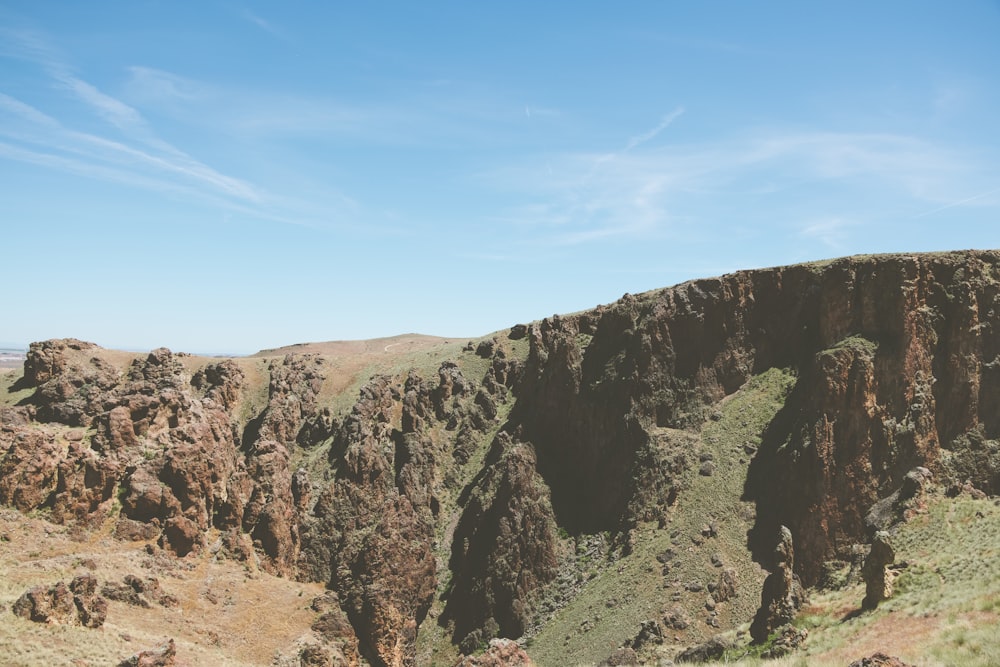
29, 471
896, 360
372, 528
504, 548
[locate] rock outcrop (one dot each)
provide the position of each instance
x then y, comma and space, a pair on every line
896, 364
782, 595
501, 653
880, 659
504, 548
878, 581
76, 604
164, 655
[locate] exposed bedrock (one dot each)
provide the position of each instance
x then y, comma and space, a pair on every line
897, 366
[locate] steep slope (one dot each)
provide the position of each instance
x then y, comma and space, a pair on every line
591, 483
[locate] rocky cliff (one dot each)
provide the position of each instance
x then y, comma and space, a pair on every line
468, 498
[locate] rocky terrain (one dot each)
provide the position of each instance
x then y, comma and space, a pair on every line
695, 473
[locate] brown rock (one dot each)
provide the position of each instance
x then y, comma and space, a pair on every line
504, 546
378, 510
713, 649
129, 530
782, 595
676, 619
315, 655
880, 659
620, 657
47, 359
121, 431
501, 653
46, 605
29, 471
181, 535
725, 586
161, 656
878, 581
73, 604
788, 639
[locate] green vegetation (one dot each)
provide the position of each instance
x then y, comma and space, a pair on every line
858, 344
619, 593
8, 395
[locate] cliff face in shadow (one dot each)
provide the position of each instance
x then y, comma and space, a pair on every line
453, 493
897, 364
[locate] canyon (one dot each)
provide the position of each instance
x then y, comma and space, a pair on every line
615, 485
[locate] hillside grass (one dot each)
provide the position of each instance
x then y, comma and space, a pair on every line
228, 615
9, 394
621, 593
946, 607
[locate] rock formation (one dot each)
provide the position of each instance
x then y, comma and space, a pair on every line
879, 659
454, 489
878, 581
501, 653
76, 604
162, 656
782, 594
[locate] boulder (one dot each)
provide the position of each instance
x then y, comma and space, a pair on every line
161, 656
713, 649
880, 659
76, 604
878, 581
500, 653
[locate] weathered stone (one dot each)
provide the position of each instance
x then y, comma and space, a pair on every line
725, 586
880, 659
73, 604
161, 656
878, 581
782, 595
517, 332
788, 639
500, 653
620, 657
46, 605
713, 649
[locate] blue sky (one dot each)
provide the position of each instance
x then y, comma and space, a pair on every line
230, 176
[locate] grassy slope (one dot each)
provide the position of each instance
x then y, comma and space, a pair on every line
946, 607
947, 602
623, 594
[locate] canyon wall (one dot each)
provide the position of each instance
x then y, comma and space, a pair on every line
460, 485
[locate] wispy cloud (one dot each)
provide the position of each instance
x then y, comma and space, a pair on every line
129, 151
266, 26
160, 162
647, 191
651, 134
156, 86
637, 140
960, 202
831, 232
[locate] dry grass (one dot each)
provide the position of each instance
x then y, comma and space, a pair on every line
947, 602
228, 615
